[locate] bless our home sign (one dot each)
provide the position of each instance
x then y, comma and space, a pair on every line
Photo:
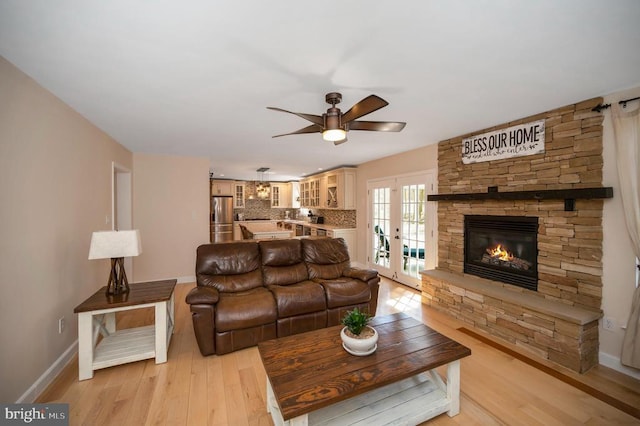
515, 141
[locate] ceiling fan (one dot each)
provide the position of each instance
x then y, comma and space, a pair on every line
334, 124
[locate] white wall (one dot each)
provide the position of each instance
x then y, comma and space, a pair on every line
618, 259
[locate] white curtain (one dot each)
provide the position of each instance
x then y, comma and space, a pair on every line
626, 127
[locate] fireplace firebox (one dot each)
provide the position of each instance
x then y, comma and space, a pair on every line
502, 248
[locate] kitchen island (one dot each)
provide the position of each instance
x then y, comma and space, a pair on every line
289, 228
266, 230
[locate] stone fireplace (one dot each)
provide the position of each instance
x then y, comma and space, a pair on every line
552, 308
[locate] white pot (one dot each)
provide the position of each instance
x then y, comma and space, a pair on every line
359, 347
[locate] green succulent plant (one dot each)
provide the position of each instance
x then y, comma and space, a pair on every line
356, 320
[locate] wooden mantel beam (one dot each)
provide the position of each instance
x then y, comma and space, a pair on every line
569, 195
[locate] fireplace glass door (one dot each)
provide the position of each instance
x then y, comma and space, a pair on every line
502, 248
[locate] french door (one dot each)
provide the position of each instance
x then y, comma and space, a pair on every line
401, 227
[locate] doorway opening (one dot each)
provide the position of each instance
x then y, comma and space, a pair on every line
121, 210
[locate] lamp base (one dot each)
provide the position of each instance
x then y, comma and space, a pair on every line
118, 283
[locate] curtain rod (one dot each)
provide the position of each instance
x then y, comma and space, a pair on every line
600, 107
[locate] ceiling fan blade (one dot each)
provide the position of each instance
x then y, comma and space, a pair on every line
340, 142
317, 119
377, 126
366, 106
309, 129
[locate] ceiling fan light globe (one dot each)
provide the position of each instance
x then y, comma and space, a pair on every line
334, 135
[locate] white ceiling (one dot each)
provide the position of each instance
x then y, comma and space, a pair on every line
194, 77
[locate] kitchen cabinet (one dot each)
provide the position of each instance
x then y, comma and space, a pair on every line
340, 192
349, 236
335, 189
295, 195
281, 195
310, 192
222, 187
238, 195
304, 193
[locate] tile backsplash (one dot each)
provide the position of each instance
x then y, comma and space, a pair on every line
261, 209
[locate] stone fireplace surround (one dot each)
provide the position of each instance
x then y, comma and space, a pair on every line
559, 321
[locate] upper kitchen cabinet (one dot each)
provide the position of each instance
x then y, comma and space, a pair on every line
340, 189
222, 187
285, 195
310, 192
280, 195
295, 194
238, 195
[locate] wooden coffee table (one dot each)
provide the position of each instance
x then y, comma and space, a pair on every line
97, 315
311, 379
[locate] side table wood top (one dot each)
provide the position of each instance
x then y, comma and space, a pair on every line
139, 294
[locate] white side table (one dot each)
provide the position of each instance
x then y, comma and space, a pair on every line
97, 316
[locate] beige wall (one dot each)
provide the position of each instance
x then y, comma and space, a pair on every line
171, 210
414, 161
618, 274
55, 190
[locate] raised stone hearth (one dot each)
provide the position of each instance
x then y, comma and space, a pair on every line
552, 330
559, 320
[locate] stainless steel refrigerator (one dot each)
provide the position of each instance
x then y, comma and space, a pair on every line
221, 219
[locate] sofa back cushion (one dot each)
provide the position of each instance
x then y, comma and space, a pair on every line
326, 258
229, 267
282, 262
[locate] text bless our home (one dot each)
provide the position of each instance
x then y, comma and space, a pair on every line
515, 141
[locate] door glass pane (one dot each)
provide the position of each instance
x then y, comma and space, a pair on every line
413, 229
381, 221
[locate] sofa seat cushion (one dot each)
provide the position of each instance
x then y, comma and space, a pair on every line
301, 298
345, 292
245, 309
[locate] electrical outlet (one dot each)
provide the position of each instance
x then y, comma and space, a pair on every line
61, 325
609, 323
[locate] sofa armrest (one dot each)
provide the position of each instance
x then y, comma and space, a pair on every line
371, 278
203, 296
202, 301
361, 274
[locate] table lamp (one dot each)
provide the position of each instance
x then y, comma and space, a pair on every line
115, 245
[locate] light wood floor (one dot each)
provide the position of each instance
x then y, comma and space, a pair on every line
497, 388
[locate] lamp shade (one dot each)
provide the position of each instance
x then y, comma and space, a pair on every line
115, 244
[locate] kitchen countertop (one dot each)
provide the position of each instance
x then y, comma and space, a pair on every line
294, 222
315, 225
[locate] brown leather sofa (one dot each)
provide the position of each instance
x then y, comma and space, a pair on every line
252, 291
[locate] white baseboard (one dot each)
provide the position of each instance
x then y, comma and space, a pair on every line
48, 376
614, 363
189, 279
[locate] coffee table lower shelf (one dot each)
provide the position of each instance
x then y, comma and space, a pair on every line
407, 402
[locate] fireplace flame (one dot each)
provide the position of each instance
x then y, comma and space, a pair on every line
500, 253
